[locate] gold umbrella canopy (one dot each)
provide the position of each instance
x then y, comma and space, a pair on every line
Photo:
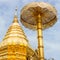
30, 12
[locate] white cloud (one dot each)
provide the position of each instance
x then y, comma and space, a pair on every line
2, 22
11, 1
52, 46
2, 27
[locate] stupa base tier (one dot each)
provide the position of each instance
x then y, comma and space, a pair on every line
13, 52
23, 58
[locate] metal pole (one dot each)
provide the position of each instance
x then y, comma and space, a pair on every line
40, 39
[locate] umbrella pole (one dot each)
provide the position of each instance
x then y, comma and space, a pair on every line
40, 39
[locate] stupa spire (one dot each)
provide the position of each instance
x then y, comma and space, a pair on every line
15, 30
16, 9
15, 15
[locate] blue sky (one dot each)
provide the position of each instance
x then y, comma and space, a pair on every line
51, 35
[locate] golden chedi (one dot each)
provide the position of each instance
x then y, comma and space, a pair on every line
15, 45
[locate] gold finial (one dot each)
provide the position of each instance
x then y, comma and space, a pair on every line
15, 16
16, 11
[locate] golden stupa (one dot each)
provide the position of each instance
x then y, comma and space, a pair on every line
15, 45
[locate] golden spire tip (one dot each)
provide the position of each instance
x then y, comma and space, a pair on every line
15, 16
16, 11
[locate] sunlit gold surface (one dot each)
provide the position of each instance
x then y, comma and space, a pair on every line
40, 39
15, 44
